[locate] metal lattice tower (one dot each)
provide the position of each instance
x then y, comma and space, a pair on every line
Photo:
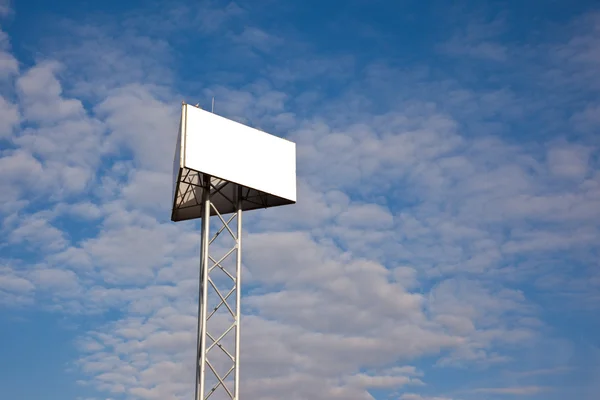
256, 171
210, 341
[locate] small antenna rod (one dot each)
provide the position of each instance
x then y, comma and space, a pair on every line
213, 105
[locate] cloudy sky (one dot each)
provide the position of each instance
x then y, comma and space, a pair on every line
445, 243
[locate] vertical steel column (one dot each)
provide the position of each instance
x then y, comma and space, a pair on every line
238, 293
203, 292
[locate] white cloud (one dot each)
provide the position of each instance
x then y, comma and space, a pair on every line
145, 250
545, 371
142, 123
257, 38
56, 280
41, 95
335, 67
63, 145
488, 319
149, 190
209, 18
515, 391
256, 104
9, 118
12, 283
129, 58
21, 173
364, 381
569, 161
15, 289
413, 396
37, 232
85, 211
587, 120
9, 65
478, 39
366, 216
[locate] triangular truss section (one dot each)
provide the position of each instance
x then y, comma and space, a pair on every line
188, 196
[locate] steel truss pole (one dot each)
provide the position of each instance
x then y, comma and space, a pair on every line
212, 339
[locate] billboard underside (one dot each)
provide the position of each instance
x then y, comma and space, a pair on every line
224, 196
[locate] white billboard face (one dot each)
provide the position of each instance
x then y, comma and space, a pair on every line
242, 162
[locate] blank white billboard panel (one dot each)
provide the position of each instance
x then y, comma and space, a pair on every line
232, 154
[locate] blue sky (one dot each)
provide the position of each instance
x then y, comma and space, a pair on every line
445, 241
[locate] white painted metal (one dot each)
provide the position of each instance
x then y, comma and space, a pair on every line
237, 153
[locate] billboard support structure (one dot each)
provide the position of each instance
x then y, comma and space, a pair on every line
207, 340
255, 170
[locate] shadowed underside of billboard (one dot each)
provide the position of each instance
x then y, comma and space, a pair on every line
245, 166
